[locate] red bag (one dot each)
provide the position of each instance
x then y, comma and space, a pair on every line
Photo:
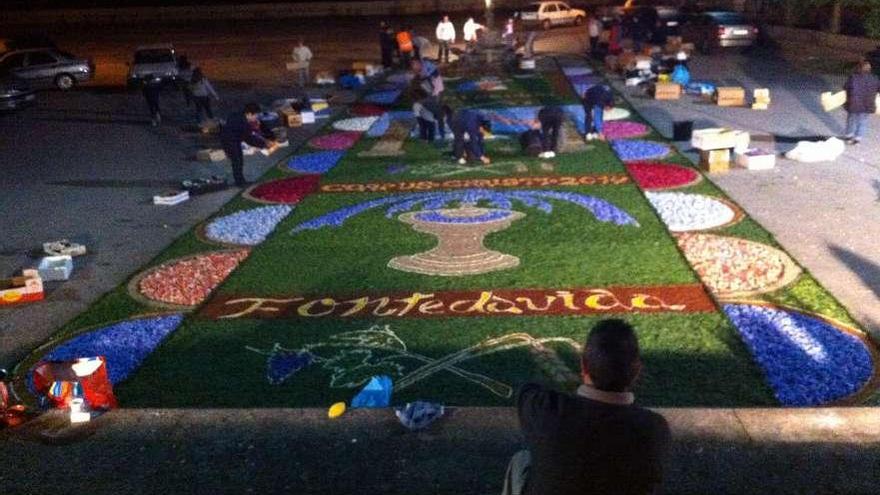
60, 381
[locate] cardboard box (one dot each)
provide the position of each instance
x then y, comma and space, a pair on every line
719, 138
210, 155
831, 101
730, 96
25, 288
290, 117
667, 91
171, 198
761, 95
760, 106
307, 117
715, 160
756, 159
55, 267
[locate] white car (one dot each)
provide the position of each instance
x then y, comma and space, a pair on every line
548, 14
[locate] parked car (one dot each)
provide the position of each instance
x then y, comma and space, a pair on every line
46, 67
549, 14
15, 95
662, 21
709, 31
154, 61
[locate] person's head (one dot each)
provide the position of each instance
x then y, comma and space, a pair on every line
301, 42
415, 65
251, 112
864, 67
610, 360
485, 125
197, 75
445, 18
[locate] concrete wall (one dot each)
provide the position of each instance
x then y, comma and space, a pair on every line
249, 12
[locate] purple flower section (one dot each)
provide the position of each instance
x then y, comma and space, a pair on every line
439, 217
383, 97
635, 150
315, 163
624, 129
282, 364
380, 127
808, 362
125, 344
601, 209
396, 168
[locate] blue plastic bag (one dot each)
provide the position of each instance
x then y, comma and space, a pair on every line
350, 82
376, 393
680, 75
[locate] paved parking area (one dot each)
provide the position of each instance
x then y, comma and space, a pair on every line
825, 214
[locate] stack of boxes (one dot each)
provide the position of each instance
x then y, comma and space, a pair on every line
761, 99
715, 147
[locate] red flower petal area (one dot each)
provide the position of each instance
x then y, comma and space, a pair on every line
287, 191
658, 175
342, 140
367, 110
190, 281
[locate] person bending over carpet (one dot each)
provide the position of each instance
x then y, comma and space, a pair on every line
595, 441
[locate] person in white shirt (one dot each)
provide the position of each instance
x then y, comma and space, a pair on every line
470, 31
594, 29
445, 37
302, 58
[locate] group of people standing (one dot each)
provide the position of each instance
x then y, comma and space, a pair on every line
191, 81
406, 45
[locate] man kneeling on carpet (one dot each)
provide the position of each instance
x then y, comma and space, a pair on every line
241, 127
595, 441
468, 127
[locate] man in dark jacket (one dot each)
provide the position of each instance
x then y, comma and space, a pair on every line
473, 124
550, 118
595, 441
241, 127
596, 100
861, 93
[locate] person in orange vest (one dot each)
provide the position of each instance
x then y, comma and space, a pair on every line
405, 46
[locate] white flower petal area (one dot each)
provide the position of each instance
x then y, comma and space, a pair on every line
247, 227
356, 124
683, 212
616, 113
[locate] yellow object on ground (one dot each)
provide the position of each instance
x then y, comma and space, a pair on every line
336, 410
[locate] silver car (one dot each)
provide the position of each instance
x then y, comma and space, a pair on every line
152, 61
710, 31
46, 68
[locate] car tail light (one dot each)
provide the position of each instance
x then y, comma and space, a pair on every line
722, 31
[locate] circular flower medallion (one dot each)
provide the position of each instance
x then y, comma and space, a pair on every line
732, 267
341, 140
246, 227
188, 281
366, 110
656, 175
355, 124
288, 191
314, 163
683, 212
630, 150
807, 360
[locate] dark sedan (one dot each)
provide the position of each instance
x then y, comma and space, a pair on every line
15, 95
711, 31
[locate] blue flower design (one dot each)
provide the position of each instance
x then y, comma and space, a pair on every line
125, 345
602, 210
387, 97
315, 163
247, 227
438, 217
807, 361
380, 127
629, 150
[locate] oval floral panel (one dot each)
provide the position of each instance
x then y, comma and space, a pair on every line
733, 268
288, 191
807, 361
124, 345
186, 282
355, 124
246, 227
659, 175
684, 212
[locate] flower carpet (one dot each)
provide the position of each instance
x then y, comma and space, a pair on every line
461, 282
